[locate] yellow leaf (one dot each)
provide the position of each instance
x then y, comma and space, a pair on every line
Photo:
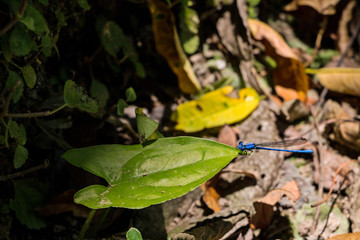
342, 80
289, 72
168, 45
215, 109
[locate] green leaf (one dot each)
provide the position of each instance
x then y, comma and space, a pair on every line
146, 126
143, 175
18, 132
84, 4
2, 139
99, 91
121, 105
29, 75
44, 2
20, 41
133, 234
28, 195
130, 95
112, 37
33, 20
139, 67
46, 44
190, 42
75, 97
189, 29
5, 47
12, 79
20, 156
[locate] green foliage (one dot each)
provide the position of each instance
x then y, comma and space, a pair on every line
34, 21
84, 4
133, 234
18, 132
121, 105
99, 91
143, 175
29, 75
20, 41
75, 97
20, 157
12, 79
146, 126
112, 37
130, 95
189, 29
28, 195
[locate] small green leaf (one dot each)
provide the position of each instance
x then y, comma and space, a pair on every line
121, 105
84, 4
5, 47
112, 37
146, 126
75, 97
190, 42
130, 95
29, 75
20, 157
46, 44
99, 91
20, 41
61, 18
133, 234
2, 139
142, 175
44, 2
139, 67
18, 132
33, 20
12, 79
28, 195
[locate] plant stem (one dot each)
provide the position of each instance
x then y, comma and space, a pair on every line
35, 114
100, 221
86, 224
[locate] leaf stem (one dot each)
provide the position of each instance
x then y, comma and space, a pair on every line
35, 114
15, 19
6, 133
86, 224
8, 99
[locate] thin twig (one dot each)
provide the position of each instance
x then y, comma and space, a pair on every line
15, 19
319, 163
344, 164
318, 41
25, 172
35, 114
7, 102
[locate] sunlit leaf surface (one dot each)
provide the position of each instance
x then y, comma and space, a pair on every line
215, 109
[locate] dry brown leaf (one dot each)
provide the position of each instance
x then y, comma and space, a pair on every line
227, 135
341, 80
168, 45
346, 236
325, 7
289, 72
346, 131
211, 196
343, 33
264, 206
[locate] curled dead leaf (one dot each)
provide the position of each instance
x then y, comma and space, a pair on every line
346, 236
341, 80
289, 72
323, 7
264, 206
168, 44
